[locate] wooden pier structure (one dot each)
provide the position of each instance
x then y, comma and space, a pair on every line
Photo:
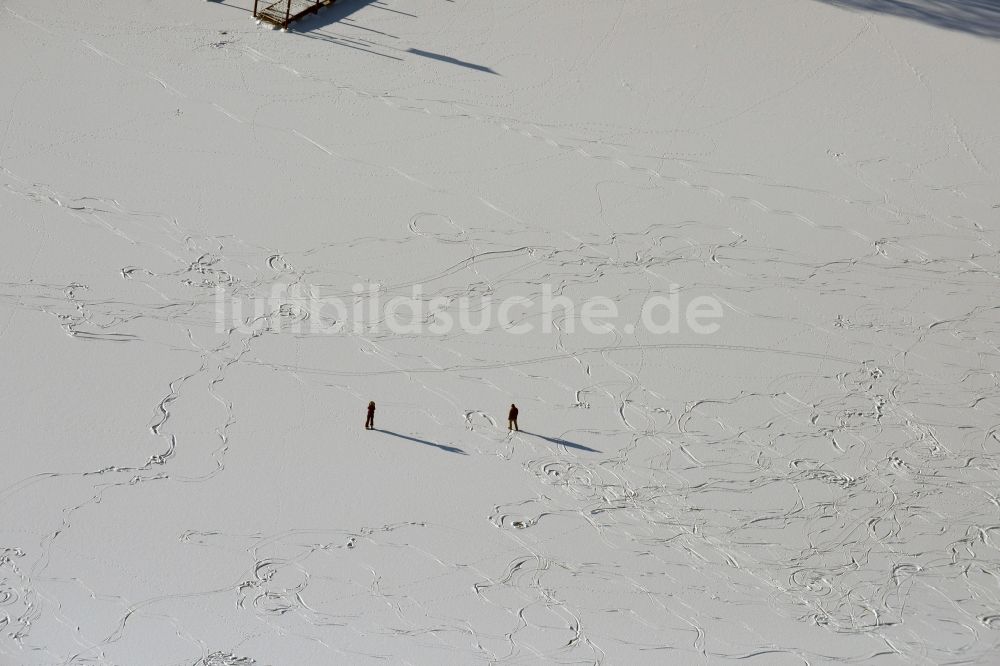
283, 12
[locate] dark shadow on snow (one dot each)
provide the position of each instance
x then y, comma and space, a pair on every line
977, 17
225, 4
560, 441
354, 35
330, 14
339, 13
443, 447
453, 61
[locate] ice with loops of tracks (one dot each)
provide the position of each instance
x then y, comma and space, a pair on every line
818, 481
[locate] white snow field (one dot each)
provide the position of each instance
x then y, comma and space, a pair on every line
761, 423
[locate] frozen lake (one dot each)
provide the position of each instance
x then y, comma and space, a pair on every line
735, 262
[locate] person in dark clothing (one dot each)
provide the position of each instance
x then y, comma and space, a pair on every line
512, 418
370, 421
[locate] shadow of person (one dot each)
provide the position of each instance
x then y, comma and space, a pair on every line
443, 447
560, 441
453, 61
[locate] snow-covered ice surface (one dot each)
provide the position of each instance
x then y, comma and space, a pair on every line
818, 481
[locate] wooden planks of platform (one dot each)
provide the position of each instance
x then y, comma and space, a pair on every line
283, 12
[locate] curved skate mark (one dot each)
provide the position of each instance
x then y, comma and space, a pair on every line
227, 113
101, 53
901, 572
990, 621
28, 21
279, 264
413, 179
161, 458
564, 356
561, 472
288, 316
437, 226
129, 272
553, 471
213, 277
173, 91
476, 258
103, 337
504, 521
773, 211
222, 658
162, 407
318, 145
809, 75
472, 416
814, 470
